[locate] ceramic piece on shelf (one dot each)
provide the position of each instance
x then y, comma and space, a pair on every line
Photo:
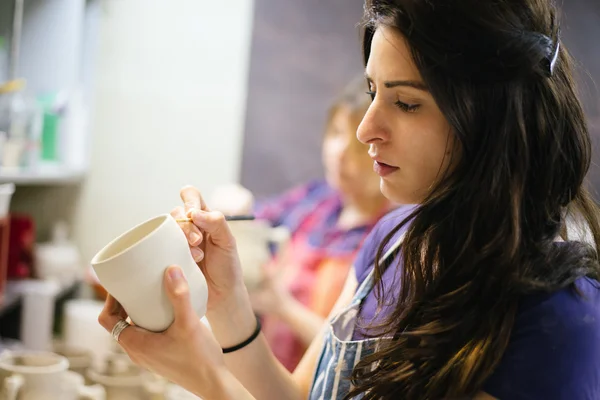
80, 359
37, 319
253, 239
59, 258
28, 375
120, 378
80, 329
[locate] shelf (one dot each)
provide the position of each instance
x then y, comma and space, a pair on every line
41, 176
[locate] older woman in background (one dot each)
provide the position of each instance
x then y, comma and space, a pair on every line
328, 220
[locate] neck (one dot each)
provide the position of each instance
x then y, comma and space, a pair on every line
360, 210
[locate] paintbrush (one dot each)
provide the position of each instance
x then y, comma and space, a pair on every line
227, 218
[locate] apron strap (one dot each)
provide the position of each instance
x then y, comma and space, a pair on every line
367, 284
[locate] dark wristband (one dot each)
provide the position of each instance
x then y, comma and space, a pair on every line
247, 341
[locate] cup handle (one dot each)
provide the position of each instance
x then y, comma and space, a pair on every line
12, 385
92, 392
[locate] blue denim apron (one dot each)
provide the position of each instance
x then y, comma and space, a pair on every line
340, 353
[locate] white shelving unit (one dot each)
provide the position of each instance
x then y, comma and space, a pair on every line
42, 176
53, 47
53, 44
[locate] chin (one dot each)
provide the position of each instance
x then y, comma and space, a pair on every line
332, 182
394, 193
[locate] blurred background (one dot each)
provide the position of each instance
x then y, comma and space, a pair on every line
109, 107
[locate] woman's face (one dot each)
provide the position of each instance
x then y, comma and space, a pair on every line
409, 139
348, 168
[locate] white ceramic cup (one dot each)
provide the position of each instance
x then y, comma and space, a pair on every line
27, 375
131, 268
253, 239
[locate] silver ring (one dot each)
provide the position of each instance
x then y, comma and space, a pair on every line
118, 328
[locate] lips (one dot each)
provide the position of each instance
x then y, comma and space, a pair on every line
383, 169
380, 167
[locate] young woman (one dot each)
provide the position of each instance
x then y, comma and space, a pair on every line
328, 220
475, 293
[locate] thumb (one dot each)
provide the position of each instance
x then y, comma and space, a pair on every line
178, 292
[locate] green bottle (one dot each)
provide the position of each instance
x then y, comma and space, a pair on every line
50, 129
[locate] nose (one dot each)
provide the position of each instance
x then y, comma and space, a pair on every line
372, 128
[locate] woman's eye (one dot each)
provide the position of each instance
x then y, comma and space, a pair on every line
409, 108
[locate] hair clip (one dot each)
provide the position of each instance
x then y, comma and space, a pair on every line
554, 59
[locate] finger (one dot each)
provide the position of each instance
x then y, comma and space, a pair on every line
113, 307
178, 213
131, 338
121, 313
178, 292
112, 313
214, 224
134, 339
197, 254
192, 199
191, 231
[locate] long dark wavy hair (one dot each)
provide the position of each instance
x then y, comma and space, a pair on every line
485, 234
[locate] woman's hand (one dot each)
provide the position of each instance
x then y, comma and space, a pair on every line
271, 297
186, 353
213, 247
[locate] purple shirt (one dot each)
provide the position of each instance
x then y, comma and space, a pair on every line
311, 211
554, 350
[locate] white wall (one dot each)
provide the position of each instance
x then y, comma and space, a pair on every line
168, 111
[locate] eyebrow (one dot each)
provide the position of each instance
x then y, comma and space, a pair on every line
407, 83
